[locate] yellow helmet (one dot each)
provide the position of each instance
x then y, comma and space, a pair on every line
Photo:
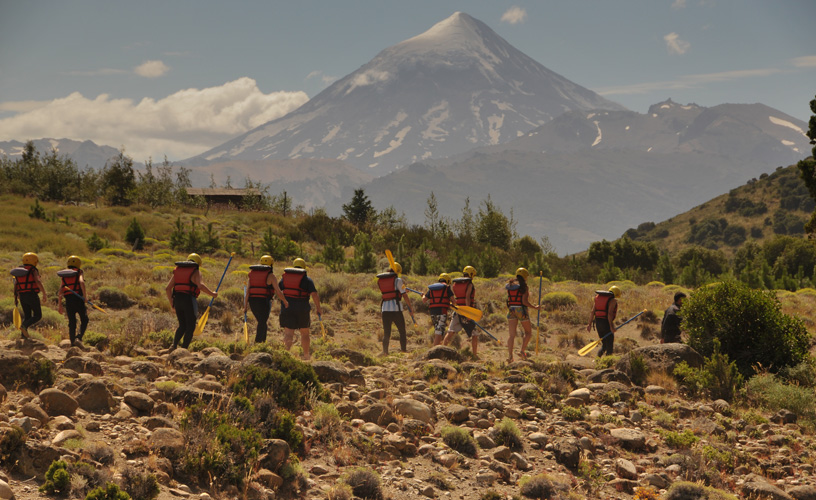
30, 259
299, 263
469, 271
615, 291
195, 258
74, 261
523, 273
397, 268
445, 277
267, 260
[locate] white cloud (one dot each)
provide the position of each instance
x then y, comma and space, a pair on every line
678, 4
804, 62
675, 44
151, 69
688, 81
326, 79
369, 77
514, 15
180, 125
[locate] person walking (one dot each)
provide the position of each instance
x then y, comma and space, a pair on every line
604, 312
670, 327
465, 294
182, 290
393, 291
438, 298
518, 302
27, 287
295, 314
73, 280
261, 283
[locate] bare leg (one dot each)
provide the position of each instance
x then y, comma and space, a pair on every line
513, 324
528, 334
448, 338
288, 338
304, 343
437, 339
474, 344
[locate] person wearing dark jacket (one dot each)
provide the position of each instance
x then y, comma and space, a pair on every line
670, 327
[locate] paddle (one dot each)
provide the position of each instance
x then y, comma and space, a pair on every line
538, 321
490, 334
466, 311
390, 258
322, 327
592, 345
86, 300
246, 330
18, 321
203, 321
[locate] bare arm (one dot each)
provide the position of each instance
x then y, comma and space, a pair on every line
196, 279
169, 291
316, 299
525, 299
613, 313
278, 293
41, 287
468, 291
591, 320
408, 304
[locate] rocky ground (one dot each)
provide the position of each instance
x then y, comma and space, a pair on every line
591, 433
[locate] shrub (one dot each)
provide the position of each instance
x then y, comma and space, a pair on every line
571, 414
109, 492
459, 439
289, 381
638, 367
719, 377
139, 485
11, 441
607, 361
772, 393
556, 300
364, 483
95, 339
680, 440
508, 434
57, 478
135, 235
692, 491
339, 491
114, 298
538, 487
326, 418
284, 426
491, 495
749, 325
647, 493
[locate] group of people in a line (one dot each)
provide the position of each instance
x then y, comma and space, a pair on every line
295, 289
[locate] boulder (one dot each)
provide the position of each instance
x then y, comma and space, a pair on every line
153, 423
625, 469
567, 452
274, 454
56, 402
443, 352
216, 365
34, 411
21, 370
357, 358
766, 491
378, 413
84, 364
168, 442
631, 439
610, 375
36, 457
64, 436
803, 492
414, 409
662, 357
583, 394
331, 371
5, 491
140, 401
146, 369
457, 413
93, 396
347, 409
3, 393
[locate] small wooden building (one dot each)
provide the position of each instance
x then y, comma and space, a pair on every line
223, 196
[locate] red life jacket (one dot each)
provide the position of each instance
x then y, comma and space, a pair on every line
514, 295
439, 296
258, 276
24, 281
183, 278
292, 278
387, 282
602, 299
460, 289
70, 279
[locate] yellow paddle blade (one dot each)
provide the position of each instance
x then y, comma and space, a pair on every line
468, 312
246, 333
18, 321
201, 322
323, 330
588, 348
97, 307
390, 257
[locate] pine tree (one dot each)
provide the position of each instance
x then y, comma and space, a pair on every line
359, 210
333, 254
135, 235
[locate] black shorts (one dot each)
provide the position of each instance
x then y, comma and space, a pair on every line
295, 319
602, 325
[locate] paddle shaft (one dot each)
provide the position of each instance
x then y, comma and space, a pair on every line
458, 309
622, 324
538, 319
222, 278
86, 300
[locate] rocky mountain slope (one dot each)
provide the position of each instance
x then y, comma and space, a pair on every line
84, 153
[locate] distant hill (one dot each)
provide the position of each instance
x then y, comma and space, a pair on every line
84, 153
767, 206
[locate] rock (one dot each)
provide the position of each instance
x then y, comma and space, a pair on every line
527, 393
519, 461
625, 469
190, 395
147, 369
583, 394
5, 491
61, 423
766, 491
17, 368
654, 389
802, 492
269, 479
784, 417
539, 438
416, 427
64, 436
357, 358
330, 371
274, 454
501, 470
378, 413
56, 402
610, 375
139, 400
661, 357
443, 352
372, 428
630, 439
414, 409
484, 441
83, 364
428, 491
457, 413
34, 411
348, 410
153, 423
169, 442
215, 364
623, 485
721, 406
657, 480
93, 396
206, 384
486, 478
439, 367
397, 441
502, 453
567, 452
25, 423
36, 457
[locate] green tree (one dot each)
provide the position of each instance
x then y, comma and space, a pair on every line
135, 235
333, 254
466, 227
807, 167
492, 226
364, 260
665, 269
433, 220
359, 210
119, 180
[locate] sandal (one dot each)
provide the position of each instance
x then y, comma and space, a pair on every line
523, 355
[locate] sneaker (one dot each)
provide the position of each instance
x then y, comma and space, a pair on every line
24, 332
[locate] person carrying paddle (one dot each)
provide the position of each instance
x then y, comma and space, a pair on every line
73, 280
518, 300
27, 286
182, 290
604, 312
670, 327
295, 313
393, 291
261, 283
438, 298
465, 294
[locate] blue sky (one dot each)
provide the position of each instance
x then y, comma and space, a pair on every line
178, 77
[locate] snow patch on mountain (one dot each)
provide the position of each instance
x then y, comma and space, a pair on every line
785, 123
434, 118
599, 138
395, 142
